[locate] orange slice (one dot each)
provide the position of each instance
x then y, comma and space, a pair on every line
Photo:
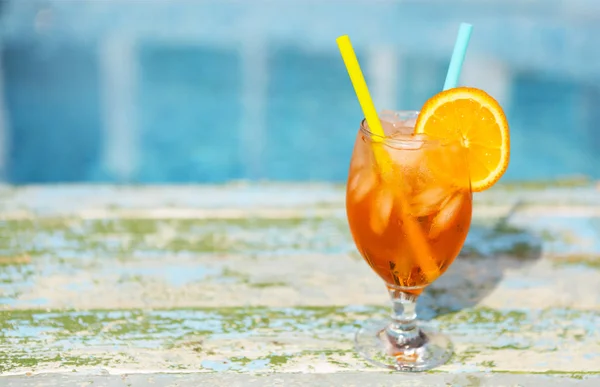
479, 120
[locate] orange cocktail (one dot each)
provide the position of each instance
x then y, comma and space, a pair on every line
426, 191
409, 204
409, 200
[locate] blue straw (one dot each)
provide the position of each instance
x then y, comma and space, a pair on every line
458, 56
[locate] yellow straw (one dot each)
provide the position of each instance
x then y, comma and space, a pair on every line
416, 238
365, 101
360, 86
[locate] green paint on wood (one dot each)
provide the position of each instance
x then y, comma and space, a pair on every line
588, 260
46, 333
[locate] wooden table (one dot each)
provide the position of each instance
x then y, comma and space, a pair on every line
261, 285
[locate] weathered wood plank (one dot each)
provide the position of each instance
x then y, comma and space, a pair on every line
75, 263
243, 279
241, 198
310, 339
349, 379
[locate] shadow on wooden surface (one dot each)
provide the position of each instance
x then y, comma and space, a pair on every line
490, 251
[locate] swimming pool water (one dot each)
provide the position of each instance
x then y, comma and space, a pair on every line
210, 92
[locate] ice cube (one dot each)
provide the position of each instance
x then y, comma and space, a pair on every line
362, 182
388, 120
411, 123
447, 214
429, 200
390, 116
381, 209
393, 125
401, 133
409, 162
419, 137
405, 141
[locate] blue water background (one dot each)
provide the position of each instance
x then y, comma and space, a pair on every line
182, 91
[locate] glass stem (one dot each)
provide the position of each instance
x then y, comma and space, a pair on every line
403, 330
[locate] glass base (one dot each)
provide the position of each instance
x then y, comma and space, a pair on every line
374, 344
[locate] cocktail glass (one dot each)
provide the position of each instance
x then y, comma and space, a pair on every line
409, 222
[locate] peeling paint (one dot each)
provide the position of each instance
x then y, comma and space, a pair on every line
267, 293
234, 338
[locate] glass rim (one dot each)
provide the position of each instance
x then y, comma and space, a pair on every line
407, 143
